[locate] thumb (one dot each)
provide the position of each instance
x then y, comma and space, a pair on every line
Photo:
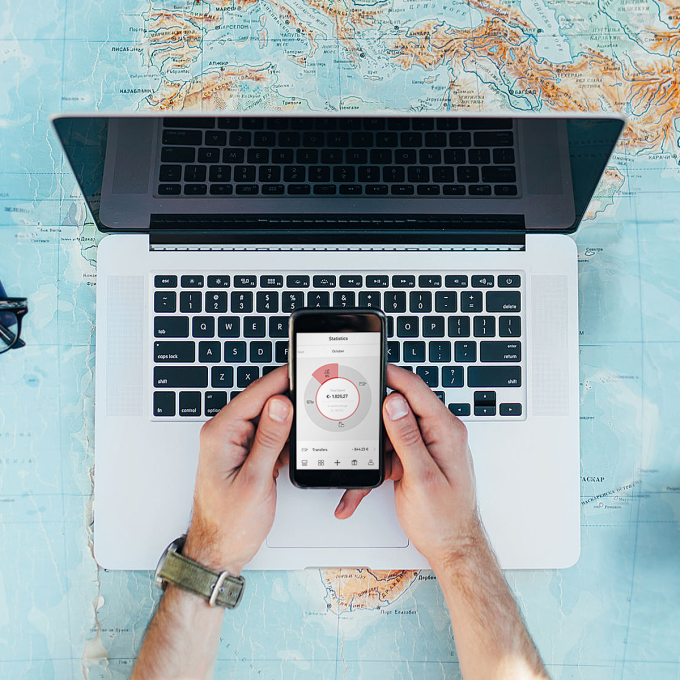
270, 437
403, 431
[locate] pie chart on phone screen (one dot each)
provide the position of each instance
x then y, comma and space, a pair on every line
337, 397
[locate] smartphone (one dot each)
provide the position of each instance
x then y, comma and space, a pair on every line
336, 362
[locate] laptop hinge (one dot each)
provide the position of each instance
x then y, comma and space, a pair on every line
468, 232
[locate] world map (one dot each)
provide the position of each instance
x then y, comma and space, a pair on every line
614, 615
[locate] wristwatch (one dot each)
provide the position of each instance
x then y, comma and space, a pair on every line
219, 589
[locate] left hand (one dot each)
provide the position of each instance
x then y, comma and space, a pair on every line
239, 461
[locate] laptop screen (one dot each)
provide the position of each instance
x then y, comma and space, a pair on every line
436, 177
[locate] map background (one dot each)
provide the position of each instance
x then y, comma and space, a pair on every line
615, 614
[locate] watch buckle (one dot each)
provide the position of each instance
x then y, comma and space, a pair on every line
217, 588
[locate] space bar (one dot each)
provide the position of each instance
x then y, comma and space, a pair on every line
494, 376
180, 376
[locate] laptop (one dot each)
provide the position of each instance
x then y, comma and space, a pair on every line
219, 226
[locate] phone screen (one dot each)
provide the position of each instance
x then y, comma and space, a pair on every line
338, 401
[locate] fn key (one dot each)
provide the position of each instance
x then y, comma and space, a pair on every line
164, 403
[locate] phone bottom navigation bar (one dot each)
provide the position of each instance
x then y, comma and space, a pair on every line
345, 455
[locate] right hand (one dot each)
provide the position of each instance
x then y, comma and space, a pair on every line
435, 497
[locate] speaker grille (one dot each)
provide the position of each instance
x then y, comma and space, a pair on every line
124, 337
550, 352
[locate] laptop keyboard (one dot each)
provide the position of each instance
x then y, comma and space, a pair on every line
355, 157
461, 332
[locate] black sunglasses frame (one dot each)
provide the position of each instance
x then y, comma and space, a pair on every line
19, 308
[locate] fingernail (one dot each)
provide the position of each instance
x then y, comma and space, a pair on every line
279, 410
396, 407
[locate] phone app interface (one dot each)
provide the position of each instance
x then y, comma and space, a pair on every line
338, 401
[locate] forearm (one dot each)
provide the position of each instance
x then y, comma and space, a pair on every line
182, 639
491, 638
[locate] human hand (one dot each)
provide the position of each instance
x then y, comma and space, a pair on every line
435, 494
239, 461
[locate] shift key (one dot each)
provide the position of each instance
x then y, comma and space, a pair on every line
180, 376
494, 376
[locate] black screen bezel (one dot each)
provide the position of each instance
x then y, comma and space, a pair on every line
354, 320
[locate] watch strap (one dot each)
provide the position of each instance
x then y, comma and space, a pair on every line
219, 589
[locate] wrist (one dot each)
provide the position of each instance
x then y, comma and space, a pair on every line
210, 553
470, 552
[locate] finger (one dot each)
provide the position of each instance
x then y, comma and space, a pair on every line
421, 398
270, 437
405, 436
349, 502
249, 404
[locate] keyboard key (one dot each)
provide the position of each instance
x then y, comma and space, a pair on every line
220, 173
174, 352
503, 301
480, 157
259, 156
219, 281
298, 281
452, 376
164, 301
268, 369
190, 302
459, 326
343, 173
351, 281
324, 281
503, 156
395, 301
456, 281
244, 173
221, 376
242, 302
245, 375
182, 137
209, 352
195, 173
228, 327
509, 281
271, 281
192, 281
485, 281
498, 352
369, 299
318, 173
350, 189
393, 351
479, 190
407, 327
291, 301
235, 352
240, 138
169, 189
343, 299
499, 173
433, 327
444, 174
189, 122
170, 173
164, 404
299, 189
485, 410
440, 351
180, 376
278, 327
414, 352
417, 173
165, 281
281, 350
214, 402
177, 154
403, 281
254, 326
215, 138
402, 190
465, 352
505, 190
190, 403
427, 190
454, 156
233, 156
267, 302
445, 301
511, 409
216, 301
394, 173
171, 326
269, 173
484, 326
319, 300
486, 123
377, 281
420, 302
471, 301
460, 410
405, 156
493, 138
459, 139
430, 281
509, 326
494, 376
429, 374
261, 352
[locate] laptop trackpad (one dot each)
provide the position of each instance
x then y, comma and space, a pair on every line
304, 519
